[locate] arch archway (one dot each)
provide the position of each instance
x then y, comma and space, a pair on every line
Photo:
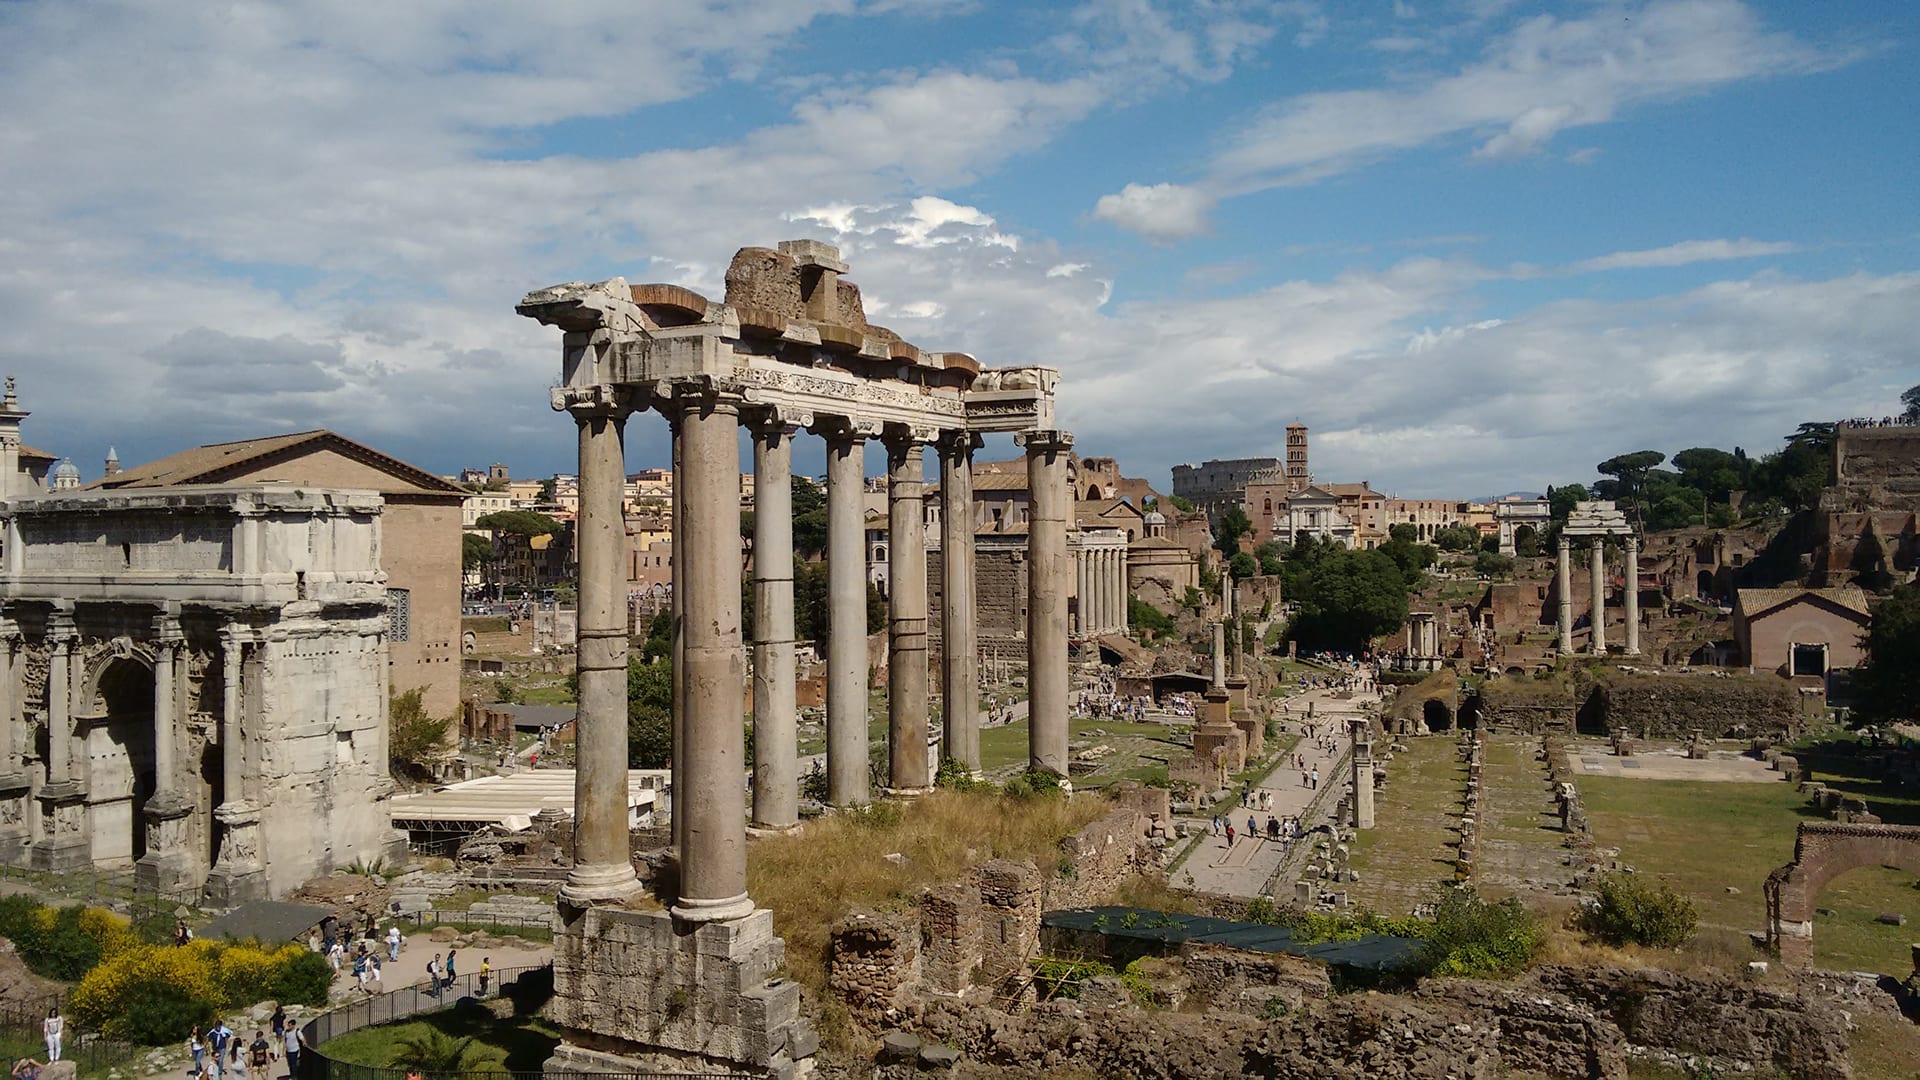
1093, 492
1469, 715
120, 756
1704, 586
1437, 716
1822, 851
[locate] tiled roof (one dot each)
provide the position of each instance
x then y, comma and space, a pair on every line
219, 462
1756, 602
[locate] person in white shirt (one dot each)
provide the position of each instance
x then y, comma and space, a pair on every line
53, 1028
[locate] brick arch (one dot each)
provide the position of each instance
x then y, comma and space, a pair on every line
1823, 851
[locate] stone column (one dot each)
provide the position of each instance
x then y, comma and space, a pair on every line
676, 557
1362, 774
1564, 568
1083, 592
169, 864
60, 633
602, 864
1598, 564
1112, 581
960, 680
1126, 612
906, 618
14, 784
1220, 654
238, 874
1047, 584
776, 769
846, 623
1632, 595
713, 842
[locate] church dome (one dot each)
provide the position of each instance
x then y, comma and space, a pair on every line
1155, 517
66, 470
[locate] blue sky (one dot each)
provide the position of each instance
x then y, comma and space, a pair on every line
1476, 245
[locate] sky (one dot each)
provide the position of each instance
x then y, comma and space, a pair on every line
1476, 245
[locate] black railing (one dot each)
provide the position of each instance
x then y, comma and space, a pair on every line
411, 1001
101, 887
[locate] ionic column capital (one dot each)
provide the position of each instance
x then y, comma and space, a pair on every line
592, 401
1045, 440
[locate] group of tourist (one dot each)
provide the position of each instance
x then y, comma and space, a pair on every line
1282, 829
1885, 421
224, 1055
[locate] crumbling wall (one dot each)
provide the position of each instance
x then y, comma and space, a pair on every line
1527, 705
1673, 706
875, 962
1099, 857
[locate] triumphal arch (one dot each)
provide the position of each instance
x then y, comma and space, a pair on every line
788, 349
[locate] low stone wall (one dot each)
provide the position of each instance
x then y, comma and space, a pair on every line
876, 962
1531, 706
1674, 705
1101, 856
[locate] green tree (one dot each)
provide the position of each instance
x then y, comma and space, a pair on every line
1233, 525
476, 551
649, 713
1243, 566
809, 516
518, 522
1491, 563
1713, 473
1560, 500
1148, 621
1629, 472
1403, 532
415, 740
1526, 541
1457, 538
1885, 687
1347, 598
1180, 504
1910, 405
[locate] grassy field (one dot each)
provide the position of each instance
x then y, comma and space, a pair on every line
1401, 861
1707, 838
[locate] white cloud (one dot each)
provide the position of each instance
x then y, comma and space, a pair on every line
1544, 76
1685, 252
1066, 269
1157, 211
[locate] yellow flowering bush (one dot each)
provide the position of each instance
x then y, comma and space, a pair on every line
109, 931
154, 993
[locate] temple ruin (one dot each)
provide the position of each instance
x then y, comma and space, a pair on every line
788, 349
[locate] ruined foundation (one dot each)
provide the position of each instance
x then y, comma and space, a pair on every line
685, 997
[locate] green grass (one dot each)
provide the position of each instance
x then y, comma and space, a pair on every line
527, 1040
1701, 837
1411, 849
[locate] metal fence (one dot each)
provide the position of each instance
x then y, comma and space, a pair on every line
435, 916
528, 984
101, 887
92, 1053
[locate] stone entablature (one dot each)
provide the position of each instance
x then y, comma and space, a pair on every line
198, 697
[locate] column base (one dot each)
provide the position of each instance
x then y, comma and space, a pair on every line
642, 992
169, 866
614, 883
909, 792
14, 837
239, 875
63, 843
700, 910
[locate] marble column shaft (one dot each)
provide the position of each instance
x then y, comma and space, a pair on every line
1632, 595
677, 797
1083, 565
602, 863
164, 738
906, 617
1048, 581
233, 762
776, 778
1598, 567
1126, 612
10, 743
960, 680
1563, 568
713, 842
59, 704
847, 783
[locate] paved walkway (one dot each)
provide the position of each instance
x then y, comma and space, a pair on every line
1243, 868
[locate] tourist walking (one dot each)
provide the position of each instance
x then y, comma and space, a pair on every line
53, 1028
393, 942
451, 953
198, 1049
486, 970
1316, 779
1229, 835
260, 1054
336, 956
217, 1040
293, 1042
433, 975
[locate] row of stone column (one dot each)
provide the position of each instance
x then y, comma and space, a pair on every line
1102, 573
1423, 635
1630, 597
709, 811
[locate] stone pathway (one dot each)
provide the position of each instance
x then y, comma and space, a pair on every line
1413, 845
1243, 869
1520, 837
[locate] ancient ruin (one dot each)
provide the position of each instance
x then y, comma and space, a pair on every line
788, 348
1598, 520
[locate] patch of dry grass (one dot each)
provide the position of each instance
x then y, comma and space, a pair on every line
837, 864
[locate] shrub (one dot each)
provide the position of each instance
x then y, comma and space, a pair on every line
154, 993
1035, 783
956, 776
56, 942
1629, 911
1473, 938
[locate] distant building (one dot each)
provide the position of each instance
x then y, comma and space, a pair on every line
1214, 487
1316, 512
1799, 631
